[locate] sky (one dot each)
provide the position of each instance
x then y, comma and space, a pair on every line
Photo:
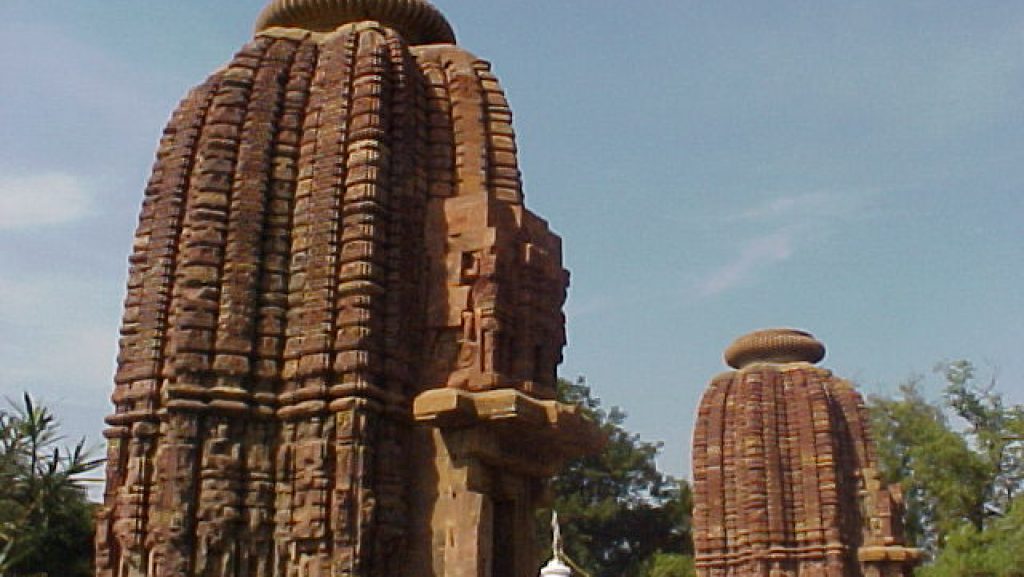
849, 168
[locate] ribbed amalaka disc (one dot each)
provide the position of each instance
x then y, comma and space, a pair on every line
774, 346
418, 21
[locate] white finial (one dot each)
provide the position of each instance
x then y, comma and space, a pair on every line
555, 567
556, 536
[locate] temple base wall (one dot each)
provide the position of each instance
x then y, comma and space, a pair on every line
492, 453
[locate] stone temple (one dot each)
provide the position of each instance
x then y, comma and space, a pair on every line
786, 480
342, 325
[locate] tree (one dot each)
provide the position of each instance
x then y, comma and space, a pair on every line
45, 518
953, 474
995, 430
943, 479
621, 515
670, 565
995, 551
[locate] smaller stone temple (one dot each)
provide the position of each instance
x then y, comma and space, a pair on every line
786, 480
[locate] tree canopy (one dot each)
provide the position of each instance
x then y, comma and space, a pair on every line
622, 515
961, 464
46, 522
997, 550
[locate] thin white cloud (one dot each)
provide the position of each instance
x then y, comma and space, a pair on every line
803, 206
785, 222
43, 199
755, 255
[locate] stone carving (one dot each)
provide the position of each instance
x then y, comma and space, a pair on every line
335, 227
785, 473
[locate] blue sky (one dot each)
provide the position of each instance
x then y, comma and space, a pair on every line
850, 168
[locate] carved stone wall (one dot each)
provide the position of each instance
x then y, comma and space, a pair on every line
786, 482
334, 225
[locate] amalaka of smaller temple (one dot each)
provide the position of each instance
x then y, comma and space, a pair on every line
786, 480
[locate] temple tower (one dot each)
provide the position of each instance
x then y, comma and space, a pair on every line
786, 480
342, 326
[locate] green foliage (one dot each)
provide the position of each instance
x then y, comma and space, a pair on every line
943, 479
45, 517
995, 430
995, 551
953, 475
670, 565
619, 512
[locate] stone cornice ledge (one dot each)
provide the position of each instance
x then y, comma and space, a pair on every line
534, 420
892, 553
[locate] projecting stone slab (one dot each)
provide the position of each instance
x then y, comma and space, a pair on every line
557, 429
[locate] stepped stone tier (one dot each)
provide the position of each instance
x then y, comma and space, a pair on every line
342, 326
786, 480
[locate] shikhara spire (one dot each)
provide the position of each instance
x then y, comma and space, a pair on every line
786, 480
332, 248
